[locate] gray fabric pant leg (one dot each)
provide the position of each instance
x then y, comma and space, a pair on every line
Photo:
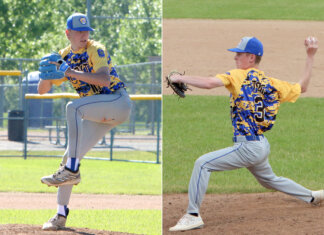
64, 192
250, 154
89, 119
110, 109
264, 174
99, 129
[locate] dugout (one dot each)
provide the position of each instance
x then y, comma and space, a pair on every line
40, 112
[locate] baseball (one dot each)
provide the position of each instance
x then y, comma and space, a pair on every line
311, 40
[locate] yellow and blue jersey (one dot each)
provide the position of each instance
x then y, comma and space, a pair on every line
255, 99
90, 59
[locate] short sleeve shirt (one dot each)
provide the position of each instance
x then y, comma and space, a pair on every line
90, 59
255, 99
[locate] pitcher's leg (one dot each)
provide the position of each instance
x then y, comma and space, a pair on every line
64, 194
108, 110
74, 122
221, 160
197, 186
64, 191
93, 132
65, 156
267, 178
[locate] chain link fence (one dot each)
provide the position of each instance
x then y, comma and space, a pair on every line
46, 117
131, 31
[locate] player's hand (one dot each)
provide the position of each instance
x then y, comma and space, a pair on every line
176, 78
52, 67
176, 84
311, 44
61, 66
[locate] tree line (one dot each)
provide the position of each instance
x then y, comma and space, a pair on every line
30, 29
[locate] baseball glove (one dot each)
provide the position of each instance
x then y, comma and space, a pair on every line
50, 71
178, 88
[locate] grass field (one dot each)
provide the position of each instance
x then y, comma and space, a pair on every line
241, 9
200, 124
103, 177
99, 177
128, 221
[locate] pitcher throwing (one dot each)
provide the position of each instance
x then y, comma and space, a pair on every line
255, 100
103, 104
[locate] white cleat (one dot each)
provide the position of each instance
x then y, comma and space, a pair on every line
188, 222
63, 176
318, 197
55, 223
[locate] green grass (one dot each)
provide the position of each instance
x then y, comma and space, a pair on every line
128, 221
200, 124
99, 177
124, 155
242, 9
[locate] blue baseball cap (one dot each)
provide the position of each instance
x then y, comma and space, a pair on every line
78, 22
249, 45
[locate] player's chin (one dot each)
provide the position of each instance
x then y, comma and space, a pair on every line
239, 66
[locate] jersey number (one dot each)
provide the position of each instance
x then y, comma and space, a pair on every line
259, 115
95, 88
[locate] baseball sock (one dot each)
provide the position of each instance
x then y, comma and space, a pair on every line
73, 163
62, 210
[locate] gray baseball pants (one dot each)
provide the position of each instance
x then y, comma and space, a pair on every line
89, 119
250, 154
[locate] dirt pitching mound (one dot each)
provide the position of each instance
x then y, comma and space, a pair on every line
262, 213
29, 229
10, 200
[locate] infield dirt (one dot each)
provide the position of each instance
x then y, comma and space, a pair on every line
33, 201
262, 213
8, 229
199, 47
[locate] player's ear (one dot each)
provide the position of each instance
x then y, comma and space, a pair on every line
67, 33
252, 58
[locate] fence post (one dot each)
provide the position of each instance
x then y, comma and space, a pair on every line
25, 115
21, 98
1, 102
158, 120
89, 11
133, 115
112, 134
152, 103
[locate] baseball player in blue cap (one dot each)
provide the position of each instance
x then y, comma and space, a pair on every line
255, 100
103, 104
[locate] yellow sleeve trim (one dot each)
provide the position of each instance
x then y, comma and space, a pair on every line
223, 79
